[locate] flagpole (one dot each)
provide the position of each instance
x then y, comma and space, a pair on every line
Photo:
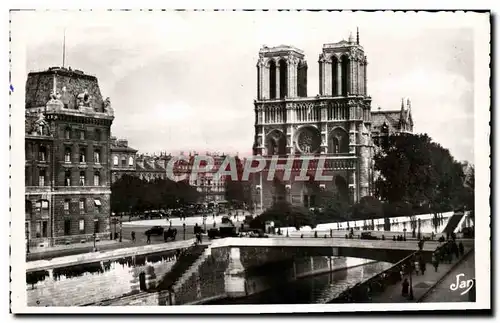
64, 48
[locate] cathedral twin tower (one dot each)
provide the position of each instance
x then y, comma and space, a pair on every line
335, 124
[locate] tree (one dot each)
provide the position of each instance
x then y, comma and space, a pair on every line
417, 171
286, 215
334, 209
368, 207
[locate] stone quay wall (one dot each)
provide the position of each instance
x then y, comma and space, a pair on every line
77, 280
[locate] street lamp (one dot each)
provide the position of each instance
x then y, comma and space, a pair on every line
120, 230
94, 235
27, 240
411, 282
404, 234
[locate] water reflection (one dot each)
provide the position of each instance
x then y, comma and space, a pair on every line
315, 289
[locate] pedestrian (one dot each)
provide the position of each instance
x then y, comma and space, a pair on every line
461, 248
315, 234
393, 238
331, 233
132, 234
456, 250
165, 236
170, 223
148, 241
435, 261
383, 237
405, 287
422, 265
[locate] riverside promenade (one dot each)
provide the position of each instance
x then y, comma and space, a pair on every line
424, 285
442, 291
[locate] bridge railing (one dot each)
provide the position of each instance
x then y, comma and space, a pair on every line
362, 292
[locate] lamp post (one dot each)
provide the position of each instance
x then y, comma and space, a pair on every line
404, 233
120, 230
27, 240
411, 282
94, 235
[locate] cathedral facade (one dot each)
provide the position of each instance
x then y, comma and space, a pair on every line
335, 125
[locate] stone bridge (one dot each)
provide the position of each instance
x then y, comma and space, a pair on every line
271, 248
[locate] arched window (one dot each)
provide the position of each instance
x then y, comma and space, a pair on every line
115, 160
339, 141
124, 162
345, 75
283, 79
302, 79
272, 80
335, 80
131, 161
335, 146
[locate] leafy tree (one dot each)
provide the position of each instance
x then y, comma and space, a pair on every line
286, 215
419, 172
368, 207
131, 194
334, 208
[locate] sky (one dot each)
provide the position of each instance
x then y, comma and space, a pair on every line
186, 81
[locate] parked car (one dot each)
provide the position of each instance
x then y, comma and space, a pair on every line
368, 236
156, 230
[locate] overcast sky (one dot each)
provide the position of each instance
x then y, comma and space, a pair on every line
184, 81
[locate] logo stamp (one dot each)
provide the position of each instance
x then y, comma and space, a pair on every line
462, 284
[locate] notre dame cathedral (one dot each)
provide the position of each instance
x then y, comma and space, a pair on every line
335, 125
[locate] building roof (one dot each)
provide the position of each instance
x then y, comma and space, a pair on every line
121, 145
66, 84
395, 120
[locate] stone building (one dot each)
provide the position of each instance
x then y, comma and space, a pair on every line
386, 123
123, 159
67, 171
335, 124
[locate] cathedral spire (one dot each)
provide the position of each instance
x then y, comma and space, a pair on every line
357, 35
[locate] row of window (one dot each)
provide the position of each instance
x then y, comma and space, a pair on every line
82, 155
42, 206
42, 175
82, 206
82, 135
123, 161
42, 228
82, 178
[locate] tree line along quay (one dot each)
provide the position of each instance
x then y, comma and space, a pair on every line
415, 176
